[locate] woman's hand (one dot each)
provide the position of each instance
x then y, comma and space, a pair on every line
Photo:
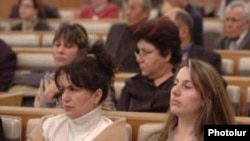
51, 91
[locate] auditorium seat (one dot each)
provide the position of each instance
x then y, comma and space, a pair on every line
212, 30
104, 38
21, 40
92, 39
37, 63
32, 122
98, 26
47, 39
34, 61
227, 66
244, 67
153, 13
148, 129
4, 26
11, 99
248, 102
12, 127
234, 96
118, 85
67, 13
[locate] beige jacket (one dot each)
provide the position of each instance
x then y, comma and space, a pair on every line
115, 132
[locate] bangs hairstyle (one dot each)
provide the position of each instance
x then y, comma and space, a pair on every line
73, 34
93, 71
164, 35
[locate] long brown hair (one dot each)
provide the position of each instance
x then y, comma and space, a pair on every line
210, 85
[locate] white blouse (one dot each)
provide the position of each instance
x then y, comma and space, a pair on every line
84, 128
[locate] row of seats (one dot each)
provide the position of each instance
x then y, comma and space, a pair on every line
18, 122
43, 60
90, 25
212, 27
11, 99
38, 39
242, 69
235, 62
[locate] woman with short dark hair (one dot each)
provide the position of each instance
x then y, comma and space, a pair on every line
159, 52
84, 84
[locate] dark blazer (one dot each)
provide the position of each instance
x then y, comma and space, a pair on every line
196, 14
121, 45
8, 62
2, 136
40, 26
206, 55
50, 11
224, 42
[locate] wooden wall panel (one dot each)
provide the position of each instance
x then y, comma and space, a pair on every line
5, 6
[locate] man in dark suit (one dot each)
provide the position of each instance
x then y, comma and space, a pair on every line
190, 49
8, 62
237, 32
195, 13
2, 136
49, 10
119, 41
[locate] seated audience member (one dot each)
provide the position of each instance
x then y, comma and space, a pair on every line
189, 49
159, 52
84, 84
8, 61
32, 17
49, 10
237, 32
198, 98
69, 40
194, 12
99, 9
213, 8
119, 41
2, 136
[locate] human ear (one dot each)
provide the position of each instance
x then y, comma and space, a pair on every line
97, 96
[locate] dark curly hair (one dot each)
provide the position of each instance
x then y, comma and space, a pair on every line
164, 35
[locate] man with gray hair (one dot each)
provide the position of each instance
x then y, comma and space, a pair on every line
119, 41
237, 33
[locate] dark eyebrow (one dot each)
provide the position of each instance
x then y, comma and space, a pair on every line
185, 81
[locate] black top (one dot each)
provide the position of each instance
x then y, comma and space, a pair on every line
141, 95
8, 62
40, 26
2, 136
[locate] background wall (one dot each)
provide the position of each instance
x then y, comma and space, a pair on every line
5, 5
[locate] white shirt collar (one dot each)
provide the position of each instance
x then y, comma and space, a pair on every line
85, 122
242, 36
